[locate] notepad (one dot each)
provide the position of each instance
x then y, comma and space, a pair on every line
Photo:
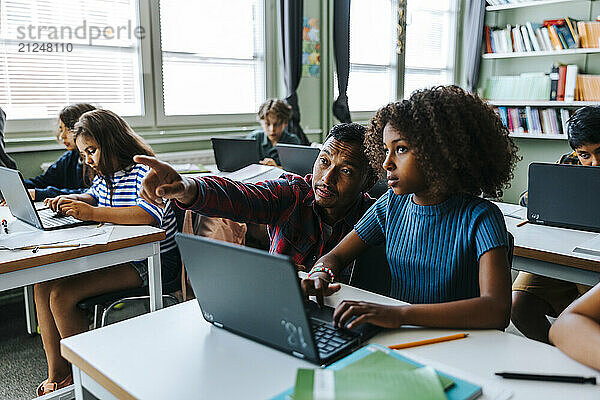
358, 383
374, 355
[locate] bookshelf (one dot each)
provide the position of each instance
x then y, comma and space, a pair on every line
528, 4
540, 61
540, 53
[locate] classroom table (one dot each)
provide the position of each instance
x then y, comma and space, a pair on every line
548, 251
23, 268
192, 359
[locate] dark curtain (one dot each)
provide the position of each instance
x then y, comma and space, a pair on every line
341, 48
291, 54
473, 28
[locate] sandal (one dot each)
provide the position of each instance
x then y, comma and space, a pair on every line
46, 387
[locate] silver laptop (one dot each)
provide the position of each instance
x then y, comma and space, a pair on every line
21, 206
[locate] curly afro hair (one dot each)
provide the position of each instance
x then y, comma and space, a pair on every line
459, 141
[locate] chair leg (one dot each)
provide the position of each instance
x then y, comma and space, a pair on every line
97, 314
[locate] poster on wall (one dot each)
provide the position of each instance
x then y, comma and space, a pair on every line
311, 48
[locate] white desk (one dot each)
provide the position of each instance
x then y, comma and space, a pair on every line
192, 359
548, 251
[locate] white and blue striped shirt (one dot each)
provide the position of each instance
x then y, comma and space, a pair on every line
126, 185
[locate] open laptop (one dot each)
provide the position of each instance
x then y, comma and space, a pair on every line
296, 158
564, 195
257, 295
21, 206
232, 154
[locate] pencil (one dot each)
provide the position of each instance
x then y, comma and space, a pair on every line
522, 223
50, 246
428, 341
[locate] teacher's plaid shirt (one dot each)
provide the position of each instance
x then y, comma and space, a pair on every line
286, 205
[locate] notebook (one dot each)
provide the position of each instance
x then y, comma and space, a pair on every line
456, 389
278, 317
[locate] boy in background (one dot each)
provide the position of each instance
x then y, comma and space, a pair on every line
274, 116
534, 296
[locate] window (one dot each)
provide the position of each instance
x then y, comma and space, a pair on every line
212, 56
372, 80
58, 52
430, 38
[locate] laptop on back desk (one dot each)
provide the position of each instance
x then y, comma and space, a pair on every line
564, 196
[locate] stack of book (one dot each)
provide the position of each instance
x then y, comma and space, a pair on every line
588, 88
552, 34
528, 120
589, 33
526, 86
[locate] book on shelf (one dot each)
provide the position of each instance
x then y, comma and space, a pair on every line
526, 86
563, 83
533, 120
587, 87
589, 33
551, 34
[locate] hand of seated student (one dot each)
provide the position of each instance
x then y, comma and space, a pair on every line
164, 182
269, 161
77, 209
318, 285
54, 202
376, 314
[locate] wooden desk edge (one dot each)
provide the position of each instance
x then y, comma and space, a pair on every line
555, 258
76, 252
93, 373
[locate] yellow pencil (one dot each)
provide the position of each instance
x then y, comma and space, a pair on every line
429, 341
522, 223
50, 246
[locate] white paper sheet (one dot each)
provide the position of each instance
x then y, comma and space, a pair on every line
20, 235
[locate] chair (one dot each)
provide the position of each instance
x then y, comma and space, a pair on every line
371, 271
105, 304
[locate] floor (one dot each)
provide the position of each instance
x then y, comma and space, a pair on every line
22, 360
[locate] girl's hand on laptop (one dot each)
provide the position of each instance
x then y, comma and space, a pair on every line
54, 202
318, 285
356, 313
77, 209
163, 182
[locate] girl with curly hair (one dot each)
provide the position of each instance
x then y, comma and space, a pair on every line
446, 246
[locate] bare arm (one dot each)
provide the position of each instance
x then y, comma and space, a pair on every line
490, 310
341, 255
577, 329
133, 215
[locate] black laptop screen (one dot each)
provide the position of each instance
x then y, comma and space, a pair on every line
564, 195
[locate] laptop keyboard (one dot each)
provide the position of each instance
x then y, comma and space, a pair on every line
51, 219
329, 339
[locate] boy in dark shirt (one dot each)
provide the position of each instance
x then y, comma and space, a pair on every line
67, 174
274, 116
534, 296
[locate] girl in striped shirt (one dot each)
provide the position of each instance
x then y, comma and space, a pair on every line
446, 246
107, 145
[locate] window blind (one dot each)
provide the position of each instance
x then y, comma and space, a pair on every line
58, 52
430, 35
212, 56
372, 80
